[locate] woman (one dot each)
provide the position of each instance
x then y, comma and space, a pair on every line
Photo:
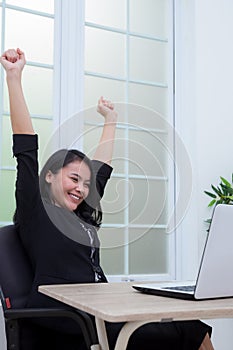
58, 215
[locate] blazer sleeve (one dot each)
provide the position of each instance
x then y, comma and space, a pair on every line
102, 172
27, 192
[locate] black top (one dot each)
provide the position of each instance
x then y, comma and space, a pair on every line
62, 248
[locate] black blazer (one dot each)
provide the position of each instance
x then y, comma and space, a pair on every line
58, 243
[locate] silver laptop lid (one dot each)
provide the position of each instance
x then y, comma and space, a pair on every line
215, 277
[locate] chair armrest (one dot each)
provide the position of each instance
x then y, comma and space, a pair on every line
81, 317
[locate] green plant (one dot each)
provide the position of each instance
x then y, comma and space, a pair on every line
222, 194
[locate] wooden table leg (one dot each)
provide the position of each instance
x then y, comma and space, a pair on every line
102, 334
125, 333
95, 347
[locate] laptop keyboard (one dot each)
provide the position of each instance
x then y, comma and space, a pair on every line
182, 288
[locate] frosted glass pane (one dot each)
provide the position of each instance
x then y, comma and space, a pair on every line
39, 5
141, 117
148, 203
147, 153
112, 250
152, 246
6, 143
148, 60
91, 138
38, 90
44, 129
113, 202
37, 47
149, 17
109, 13
7, 195
104, 52
96, 87
152, 97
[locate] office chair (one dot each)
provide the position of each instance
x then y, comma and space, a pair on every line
15, 282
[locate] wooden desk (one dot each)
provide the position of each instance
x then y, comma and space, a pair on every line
119, 302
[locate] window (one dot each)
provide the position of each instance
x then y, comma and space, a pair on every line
124, 53
128, 58
30, 26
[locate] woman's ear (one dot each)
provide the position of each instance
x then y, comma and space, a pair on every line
48, 176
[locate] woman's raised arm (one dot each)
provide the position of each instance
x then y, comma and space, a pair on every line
13, 62
104, 149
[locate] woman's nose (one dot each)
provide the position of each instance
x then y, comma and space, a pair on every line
80, 187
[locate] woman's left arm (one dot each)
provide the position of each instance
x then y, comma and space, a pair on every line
104, 149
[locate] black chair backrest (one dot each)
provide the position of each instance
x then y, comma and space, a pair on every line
15, 270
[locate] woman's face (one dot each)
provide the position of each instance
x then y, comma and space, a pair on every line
70, 186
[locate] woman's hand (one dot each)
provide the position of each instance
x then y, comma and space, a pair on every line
104, 149
106, 109
13, 61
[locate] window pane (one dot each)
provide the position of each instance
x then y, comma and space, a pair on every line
109, 13
37, 47
114, 203
39, 5
6, 143
148, 60
147, 153
152, 97
153, 243
104, 52
96, 87
7, 203
141, 117
149, 17
38, 90
91, 138
44, 128
112, 250
148, 203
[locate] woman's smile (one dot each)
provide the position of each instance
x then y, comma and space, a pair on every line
70, 186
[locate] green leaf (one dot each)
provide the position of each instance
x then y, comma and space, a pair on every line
225, 181
217, 190
227, 189
210, 194
211, 203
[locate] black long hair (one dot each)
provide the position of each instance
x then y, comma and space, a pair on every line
89, 210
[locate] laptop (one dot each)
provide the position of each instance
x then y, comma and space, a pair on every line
215, 275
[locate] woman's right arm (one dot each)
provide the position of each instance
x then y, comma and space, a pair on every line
24, 139
13, 62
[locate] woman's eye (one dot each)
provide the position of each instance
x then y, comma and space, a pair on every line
74, 179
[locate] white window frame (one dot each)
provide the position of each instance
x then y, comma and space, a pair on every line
68, 90
187, 250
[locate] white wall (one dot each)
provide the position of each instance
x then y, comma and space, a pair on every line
205, 66
214, 111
